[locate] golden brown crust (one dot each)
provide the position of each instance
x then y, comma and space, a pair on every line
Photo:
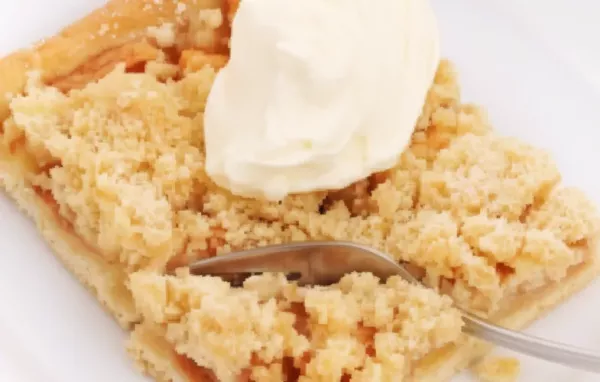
118, 23
76, 44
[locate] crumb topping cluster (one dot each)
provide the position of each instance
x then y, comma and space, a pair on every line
271, 330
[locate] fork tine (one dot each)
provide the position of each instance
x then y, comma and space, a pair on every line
317, 262
293, 261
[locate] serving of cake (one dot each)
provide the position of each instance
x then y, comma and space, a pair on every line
153, 133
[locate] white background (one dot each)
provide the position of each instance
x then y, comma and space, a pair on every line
535, 64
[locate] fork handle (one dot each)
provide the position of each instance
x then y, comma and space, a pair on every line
530, 345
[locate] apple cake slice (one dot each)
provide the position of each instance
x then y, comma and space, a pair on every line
101, 143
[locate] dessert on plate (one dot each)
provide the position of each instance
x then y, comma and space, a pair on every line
132, 138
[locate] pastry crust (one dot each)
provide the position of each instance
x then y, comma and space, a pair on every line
114, 25
88, 50
108, 282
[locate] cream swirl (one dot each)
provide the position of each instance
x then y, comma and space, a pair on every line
318, 94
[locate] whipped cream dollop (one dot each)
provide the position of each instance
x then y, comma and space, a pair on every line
318, 94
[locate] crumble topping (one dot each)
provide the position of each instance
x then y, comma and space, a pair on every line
128, 158
357, 329
568, 214
481, 216
496, 176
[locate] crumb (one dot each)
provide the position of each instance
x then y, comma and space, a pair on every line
356, 329
104, 28
498, 369
162, 71
193, 60
213, 18
203, 28
181, 7
164, 35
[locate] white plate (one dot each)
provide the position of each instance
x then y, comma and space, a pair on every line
51, 329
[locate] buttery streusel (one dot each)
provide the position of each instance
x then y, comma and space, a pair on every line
273, 330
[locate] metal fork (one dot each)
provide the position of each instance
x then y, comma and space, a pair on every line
326, 262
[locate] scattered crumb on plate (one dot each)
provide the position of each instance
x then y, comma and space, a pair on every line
498, 369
